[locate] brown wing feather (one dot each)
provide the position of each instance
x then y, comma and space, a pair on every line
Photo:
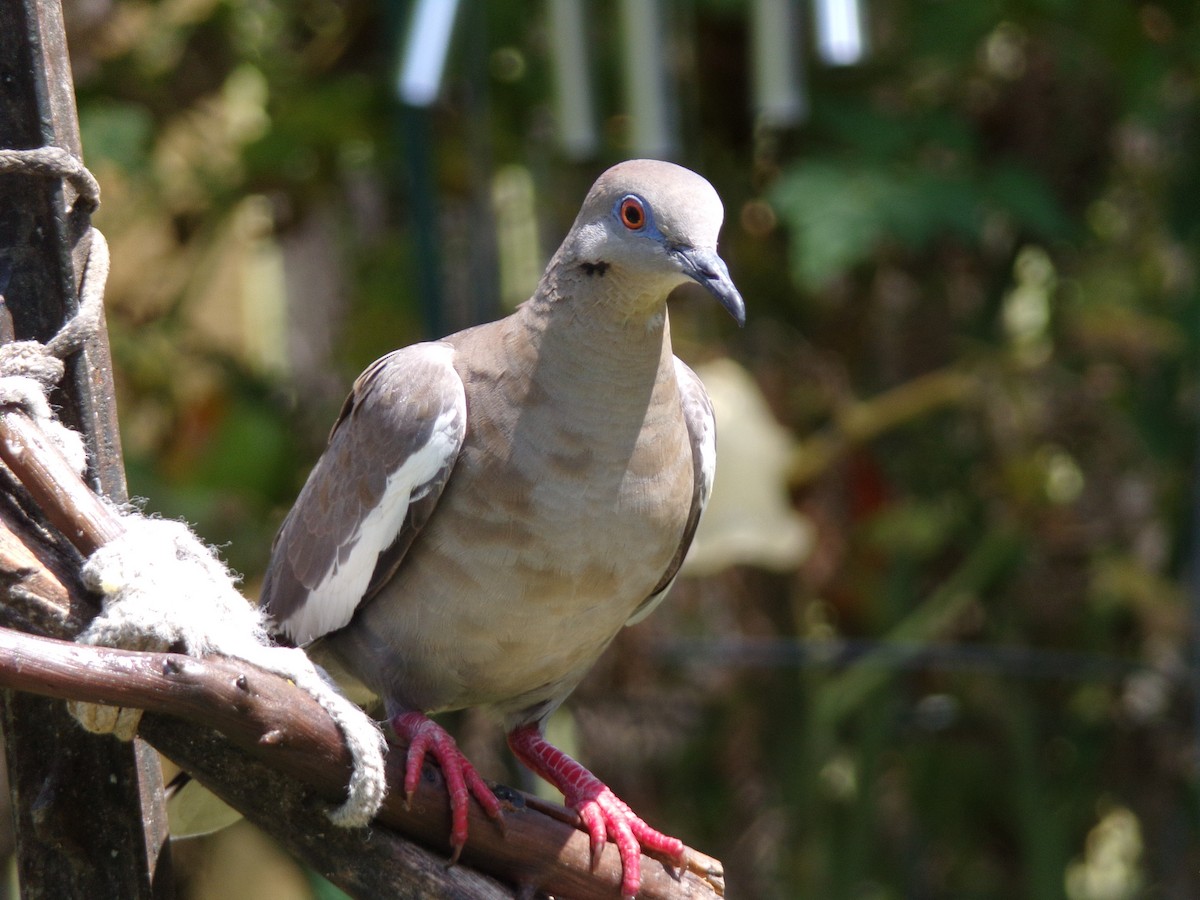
406, 408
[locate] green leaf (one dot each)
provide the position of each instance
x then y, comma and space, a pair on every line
117, 132
1029, 200
839, 212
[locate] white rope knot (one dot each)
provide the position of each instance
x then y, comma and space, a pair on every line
164, 589
29, 359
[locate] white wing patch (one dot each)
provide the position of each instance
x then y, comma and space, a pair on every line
703, 426
708, 459
331, 603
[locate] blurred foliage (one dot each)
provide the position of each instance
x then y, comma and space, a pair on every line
972, 284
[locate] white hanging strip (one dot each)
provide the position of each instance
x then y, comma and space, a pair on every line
780, 97
425, 47
575, 112
841, 37
646, 88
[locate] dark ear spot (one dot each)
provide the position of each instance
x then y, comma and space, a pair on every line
597, 268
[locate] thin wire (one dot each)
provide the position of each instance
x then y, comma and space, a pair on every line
1011, 661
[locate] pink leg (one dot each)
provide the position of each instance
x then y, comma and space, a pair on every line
425, 736
603, 813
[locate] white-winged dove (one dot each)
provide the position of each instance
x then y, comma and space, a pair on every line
493, 507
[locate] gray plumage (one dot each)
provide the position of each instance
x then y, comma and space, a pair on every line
562, 498
493, 507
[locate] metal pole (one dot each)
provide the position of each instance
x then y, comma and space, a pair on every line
88, 809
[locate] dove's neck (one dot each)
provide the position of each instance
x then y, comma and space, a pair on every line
601, 330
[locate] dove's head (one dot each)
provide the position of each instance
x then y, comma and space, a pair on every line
647, 227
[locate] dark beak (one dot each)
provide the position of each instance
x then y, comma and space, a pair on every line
710, 270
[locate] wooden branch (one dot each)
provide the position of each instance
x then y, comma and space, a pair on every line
286, 729
67, 502
364, 862
292, 742
37, 578
865, 420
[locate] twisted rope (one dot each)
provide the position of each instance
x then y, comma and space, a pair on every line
44, 362
55, 162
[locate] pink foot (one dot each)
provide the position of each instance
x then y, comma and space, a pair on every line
604, 814
462, 781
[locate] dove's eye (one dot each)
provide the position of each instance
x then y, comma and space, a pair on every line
632, 213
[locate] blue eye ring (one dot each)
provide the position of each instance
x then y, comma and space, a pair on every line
631, 211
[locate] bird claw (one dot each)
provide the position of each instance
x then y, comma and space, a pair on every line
606, 815
603, 814
597, 828
462, 781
